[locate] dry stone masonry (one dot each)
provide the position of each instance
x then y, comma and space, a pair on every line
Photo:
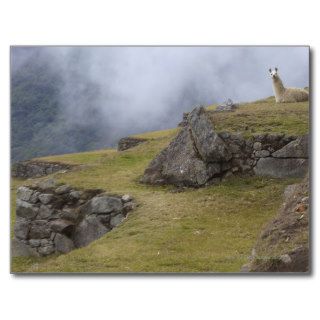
33, 168
57, 219
227, 106
200, 156
129, 142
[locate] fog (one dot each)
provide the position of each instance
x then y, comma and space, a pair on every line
126, 90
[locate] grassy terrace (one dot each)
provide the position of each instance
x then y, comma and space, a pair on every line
264, 116
210, 229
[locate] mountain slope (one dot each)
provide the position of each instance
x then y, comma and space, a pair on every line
40, 124
34, 105
210, 229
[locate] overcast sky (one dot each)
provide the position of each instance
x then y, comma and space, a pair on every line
148, 88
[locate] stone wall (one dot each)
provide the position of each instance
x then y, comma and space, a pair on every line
57, 219
129, 142
227, 106
199, 155
274, 155
33, 168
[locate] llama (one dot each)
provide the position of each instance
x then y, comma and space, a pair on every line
283, 94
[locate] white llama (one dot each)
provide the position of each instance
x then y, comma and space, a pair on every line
283, 94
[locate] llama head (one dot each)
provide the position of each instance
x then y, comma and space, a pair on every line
274, 73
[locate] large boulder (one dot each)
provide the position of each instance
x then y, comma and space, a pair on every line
295, 149
281, 168
39, 229
26, 210
63, 244
45, 212
21, 229
193, 158
208, 143
45, 198
104, 204
180, 164
24, 193
89, 230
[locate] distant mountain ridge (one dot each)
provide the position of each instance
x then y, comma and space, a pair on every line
38, 127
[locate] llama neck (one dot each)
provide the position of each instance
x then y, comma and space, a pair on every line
278, 87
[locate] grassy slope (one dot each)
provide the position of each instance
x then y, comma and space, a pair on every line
264, 116
199, 230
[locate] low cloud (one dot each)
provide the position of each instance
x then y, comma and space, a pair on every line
126, 90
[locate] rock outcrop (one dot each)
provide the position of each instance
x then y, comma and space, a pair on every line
192, 158
283, 245
227, 106
199, 155
184, 121
129, 142
34, 168
57, 219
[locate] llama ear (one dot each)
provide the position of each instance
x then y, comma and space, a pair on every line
276, 69
270, 70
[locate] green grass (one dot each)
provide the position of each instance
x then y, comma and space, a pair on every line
169, 133
264, 116
210, 229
